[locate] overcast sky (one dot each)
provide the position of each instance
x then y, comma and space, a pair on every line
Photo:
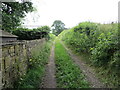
72, 12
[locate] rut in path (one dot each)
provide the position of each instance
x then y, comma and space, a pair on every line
86, 70
49, 80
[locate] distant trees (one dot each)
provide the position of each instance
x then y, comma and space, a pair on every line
57, 27
12, 12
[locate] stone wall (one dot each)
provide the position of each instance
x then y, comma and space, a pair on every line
14, 60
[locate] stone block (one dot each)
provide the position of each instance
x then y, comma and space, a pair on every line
7, 61
13, 61
12, 51
21, 47
5, 51
17, 50
25, 52
24, 46
3, 64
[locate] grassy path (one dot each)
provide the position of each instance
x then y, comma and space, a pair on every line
86, 70
68, 74
49, 79
66, 70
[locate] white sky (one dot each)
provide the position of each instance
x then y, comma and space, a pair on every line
72, 12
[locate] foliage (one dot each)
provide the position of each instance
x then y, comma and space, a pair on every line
86, 27
67, 73
104, 50
52, 36
39, 59
30, 34
58, 26
12, 12
44, 29
101, 41
81, 36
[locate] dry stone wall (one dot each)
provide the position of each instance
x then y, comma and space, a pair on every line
14, 60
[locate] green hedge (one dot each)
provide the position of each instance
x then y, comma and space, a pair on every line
31, 34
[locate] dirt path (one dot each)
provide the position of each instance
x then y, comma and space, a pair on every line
87, 71
49, 80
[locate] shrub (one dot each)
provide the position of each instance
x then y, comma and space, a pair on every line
31, 34
101, 41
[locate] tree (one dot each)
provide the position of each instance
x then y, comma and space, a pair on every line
13, 12
58, 26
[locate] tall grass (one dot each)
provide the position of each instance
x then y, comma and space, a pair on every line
36, 69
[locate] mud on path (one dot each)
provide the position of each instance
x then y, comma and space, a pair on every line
49, 80
86, 70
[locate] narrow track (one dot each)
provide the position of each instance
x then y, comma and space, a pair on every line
49, 80
87, 71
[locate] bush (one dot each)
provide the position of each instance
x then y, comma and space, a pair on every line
81, 36
31, 34
101, 41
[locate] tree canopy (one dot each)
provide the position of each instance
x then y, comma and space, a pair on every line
57, 27
13, 12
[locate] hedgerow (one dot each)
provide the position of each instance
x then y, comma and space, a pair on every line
31, 34
101, 41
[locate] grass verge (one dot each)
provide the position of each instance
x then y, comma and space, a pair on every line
36, 69
68, 74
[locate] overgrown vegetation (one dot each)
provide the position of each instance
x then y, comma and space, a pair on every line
68, 74
101, 42
31, 34
36, 67
52, 37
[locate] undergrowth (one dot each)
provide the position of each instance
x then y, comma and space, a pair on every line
36, 69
